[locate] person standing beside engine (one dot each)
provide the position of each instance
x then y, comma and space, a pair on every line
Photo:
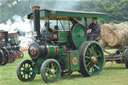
94, 30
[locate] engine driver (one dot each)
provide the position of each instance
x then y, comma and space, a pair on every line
94, 30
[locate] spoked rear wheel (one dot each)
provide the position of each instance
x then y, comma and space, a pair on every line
6, 56
50, 70
18, 55
25, 71
1, 57
91, 58
12, 57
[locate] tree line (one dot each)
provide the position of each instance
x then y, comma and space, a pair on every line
116, 9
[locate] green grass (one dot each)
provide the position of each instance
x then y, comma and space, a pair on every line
114, 74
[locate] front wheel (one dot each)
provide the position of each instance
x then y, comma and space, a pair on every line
25, 71
50, 70
91, 58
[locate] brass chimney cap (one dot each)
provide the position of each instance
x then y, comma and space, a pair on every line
35, 7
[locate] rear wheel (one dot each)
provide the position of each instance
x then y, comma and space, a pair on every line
1, 57
18, 55
25, 71
126, 58
91, 58
6, 56
12, 57
50, 70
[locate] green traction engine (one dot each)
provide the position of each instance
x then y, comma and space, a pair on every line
60, 52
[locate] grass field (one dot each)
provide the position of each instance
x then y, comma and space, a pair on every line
112, 74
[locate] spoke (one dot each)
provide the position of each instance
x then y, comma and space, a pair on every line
52, 66
87, 57
92, 65
26, 65
91, 69
94, 45
98, 52
95, 54
26, 76
96, 66
48, 66
90, 50
48, 69
88, 64
49, 75
46, 74
29, 65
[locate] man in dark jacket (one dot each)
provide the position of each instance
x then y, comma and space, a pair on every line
94, 30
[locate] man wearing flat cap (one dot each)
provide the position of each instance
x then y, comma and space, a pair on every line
94, 30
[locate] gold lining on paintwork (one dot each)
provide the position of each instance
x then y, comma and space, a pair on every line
69, 63
57, 17
48, 49
55, 50
65, 48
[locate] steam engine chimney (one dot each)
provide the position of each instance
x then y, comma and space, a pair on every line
36, 18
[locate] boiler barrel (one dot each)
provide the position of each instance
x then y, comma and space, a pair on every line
45, 50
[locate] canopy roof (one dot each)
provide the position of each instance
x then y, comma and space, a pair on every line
64, 14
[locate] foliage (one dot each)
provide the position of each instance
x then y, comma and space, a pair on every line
116, 9
9, 8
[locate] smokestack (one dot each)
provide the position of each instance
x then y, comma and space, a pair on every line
36, 18
6, 37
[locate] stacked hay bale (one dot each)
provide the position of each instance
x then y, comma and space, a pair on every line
114, 34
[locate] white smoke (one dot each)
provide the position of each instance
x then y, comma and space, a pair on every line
23, 24
18, 25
